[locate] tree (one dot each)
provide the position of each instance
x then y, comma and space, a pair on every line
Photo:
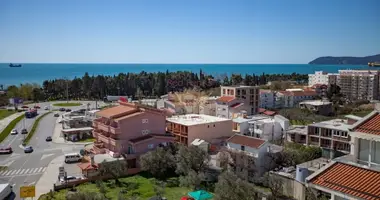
275, 184
102, 188
192, 179
229, 186
115, 169
191, 158
158, 162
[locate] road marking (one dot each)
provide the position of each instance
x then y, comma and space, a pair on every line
27, 170
18, 171
22, 171
32, 183
35, 170
14, 172
46, 155
8, 172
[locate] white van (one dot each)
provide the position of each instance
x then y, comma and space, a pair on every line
5, 190
72, 157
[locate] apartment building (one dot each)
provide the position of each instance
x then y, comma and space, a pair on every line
130, 129
292, 98
357, 175
236, 98
322, 78
187, 128
359, 84
267, 99
321, 107
188, 103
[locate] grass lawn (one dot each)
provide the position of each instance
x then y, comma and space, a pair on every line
6, 113
88, 140
3, 168
66, 104
135, 186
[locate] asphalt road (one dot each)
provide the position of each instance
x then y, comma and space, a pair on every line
26, 169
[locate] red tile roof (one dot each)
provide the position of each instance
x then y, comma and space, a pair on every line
246, 141
226, 99
261, 110
371, 125
87, 166
349, 179
269, 113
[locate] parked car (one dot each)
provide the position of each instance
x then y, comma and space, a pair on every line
37, 107
48, 139
69, 178
28, 149
46, 108
56, 115
14, 132
6, 150
68, 110
62, 109
24, 131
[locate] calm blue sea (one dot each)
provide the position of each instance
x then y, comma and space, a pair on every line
37, 73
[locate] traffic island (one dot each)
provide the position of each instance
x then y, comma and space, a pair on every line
7, 130
34, 128
69, 104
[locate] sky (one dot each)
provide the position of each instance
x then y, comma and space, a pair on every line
186, 31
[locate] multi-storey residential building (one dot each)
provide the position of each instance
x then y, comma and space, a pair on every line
248, 97
130, 129
359, 84
187, 128
269, 128
188, 103
290, 99
230, 107
321, 107
322, 78
267, 99
257, 149
355, 176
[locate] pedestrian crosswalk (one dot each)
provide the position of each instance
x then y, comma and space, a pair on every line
18, 172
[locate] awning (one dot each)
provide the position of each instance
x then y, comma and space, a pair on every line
200, 195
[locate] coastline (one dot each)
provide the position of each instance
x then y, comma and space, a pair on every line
37, 73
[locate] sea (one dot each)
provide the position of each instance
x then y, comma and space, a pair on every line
37, 73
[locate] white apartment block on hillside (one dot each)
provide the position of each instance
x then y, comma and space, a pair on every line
267, 99
354, 84
322, 78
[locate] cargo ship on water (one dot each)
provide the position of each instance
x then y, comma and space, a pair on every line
13, 65
374, 64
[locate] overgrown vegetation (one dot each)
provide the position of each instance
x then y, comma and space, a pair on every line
34, 128
7, 130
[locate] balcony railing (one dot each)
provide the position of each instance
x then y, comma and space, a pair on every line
107, 140
107, 128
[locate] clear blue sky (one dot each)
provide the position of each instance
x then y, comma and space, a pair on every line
187, 31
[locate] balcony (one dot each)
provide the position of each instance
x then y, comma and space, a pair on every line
99, 148
106, 128
107, 140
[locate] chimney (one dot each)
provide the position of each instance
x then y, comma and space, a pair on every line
92, 160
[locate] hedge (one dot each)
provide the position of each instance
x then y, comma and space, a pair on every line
34, 128
4, 134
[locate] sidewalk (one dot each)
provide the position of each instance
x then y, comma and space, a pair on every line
49, 178
57, 135
4, 122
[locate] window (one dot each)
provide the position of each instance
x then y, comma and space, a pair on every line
336, 133
242, 148
150, 146
144, 132
363, 149
214, 125
208, 126
145, 121
344, 134
375, 157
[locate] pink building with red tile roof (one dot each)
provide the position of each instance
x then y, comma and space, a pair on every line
129, 128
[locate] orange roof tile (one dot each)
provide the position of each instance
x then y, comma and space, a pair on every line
226, 99
87, 166
116, 111
371, 126
349, 179
246, 141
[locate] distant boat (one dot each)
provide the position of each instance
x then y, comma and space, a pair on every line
374, 64
12, 65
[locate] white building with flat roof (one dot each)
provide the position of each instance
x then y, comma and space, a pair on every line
187, 128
